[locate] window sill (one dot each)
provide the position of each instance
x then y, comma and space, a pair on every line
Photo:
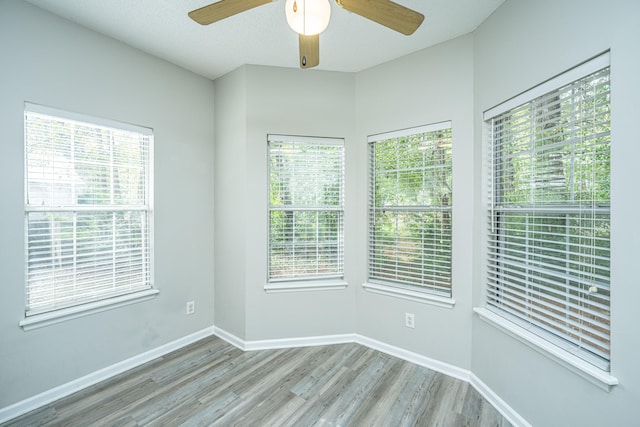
596, 376
410, 295
305, 286
62, 315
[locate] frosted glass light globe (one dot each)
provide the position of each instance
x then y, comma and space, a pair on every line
308, 17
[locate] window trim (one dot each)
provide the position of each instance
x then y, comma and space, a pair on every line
589, 371
98, 121
398, 290
61, 315
409, 294
311, 283
39, 319
304, 285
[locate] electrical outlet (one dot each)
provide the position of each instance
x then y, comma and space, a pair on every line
409, 320
191, 307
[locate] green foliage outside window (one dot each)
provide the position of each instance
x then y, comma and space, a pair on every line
410, 211
550, 221
305, 210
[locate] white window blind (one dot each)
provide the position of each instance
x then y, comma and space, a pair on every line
306, 202
410, 209
548, 245
87, 211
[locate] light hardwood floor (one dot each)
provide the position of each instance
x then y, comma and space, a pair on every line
213, 383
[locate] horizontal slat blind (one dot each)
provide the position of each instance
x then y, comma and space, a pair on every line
306, 181
87, 211
549, 240
410, 209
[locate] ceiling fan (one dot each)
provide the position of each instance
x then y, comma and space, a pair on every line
309, 18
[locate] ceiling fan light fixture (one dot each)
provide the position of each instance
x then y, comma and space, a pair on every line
308, 17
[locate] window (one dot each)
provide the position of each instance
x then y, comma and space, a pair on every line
306, 202
410, 210
548, 245
88, 211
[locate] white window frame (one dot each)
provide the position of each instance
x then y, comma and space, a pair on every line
424, 293
296, 282
54, 309
530, 333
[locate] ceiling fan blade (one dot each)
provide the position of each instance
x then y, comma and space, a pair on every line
223, 9
309, 50
385, 12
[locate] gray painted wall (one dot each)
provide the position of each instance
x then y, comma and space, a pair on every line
49, 61
522, 44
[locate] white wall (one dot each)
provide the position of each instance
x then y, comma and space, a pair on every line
522, 44
290, 102
49, 61
430, 86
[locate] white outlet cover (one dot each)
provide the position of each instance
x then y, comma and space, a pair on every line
409, 320
191, 307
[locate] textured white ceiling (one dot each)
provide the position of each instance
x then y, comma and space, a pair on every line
261, 35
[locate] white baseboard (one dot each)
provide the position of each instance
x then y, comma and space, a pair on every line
283, 342
299, 342
71, 387
230, 338
501, 406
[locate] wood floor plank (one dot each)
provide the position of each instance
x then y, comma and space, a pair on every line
280, 415
382, 398
178, 367
211, 383
94, 411
437, 395
314, 406
359, 390
204, 415
334, 364
417, 398
172, 397
472, 404
274, 390
285, 362
250, 366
